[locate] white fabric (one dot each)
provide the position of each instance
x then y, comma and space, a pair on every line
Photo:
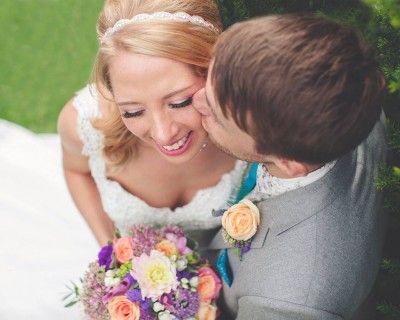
124, 208
44, 242
269, 186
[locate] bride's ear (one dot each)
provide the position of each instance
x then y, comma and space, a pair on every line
292, 168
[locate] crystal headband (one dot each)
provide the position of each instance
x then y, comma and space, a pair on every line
166, 16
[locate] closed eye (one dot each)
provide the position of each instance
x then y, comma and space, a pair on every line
183, 104
128, 115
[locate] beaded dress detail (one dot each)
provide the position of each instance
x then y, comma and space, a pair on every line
126, 209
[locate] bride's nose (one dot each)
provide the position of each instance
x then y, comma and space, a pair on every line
164, 129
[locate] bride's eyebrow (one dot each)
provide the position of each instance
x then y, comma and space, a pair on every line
125, 103
171, 94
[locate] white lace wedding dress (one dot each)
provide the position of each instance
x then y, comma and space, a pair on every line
44, 241
126, 209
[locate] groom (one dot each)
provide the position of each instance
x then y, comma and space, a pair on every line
302, 96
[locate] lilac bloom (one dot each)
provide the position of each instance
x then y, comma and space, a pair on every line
246, 248
185, 304
219, 213
180, 243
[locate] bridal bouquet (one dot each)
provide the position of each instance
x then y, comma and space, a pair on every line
151, 274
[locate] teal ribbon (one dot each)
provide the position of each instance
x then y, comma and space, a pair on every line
247, 186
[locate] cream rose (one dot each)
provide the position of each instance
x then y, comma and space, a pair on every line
120, 308
241, 220
206, 311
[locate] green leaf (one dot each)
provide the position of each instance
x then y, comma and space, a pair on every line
67, 296
190, 270
192, 244
70, 304
238, 252
117, 233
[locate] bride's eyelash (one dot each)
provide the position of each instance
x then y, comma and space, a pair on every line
183, 104
128, 115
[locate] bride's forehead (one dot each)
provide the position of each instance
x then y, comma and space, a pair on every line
142, 75
125, 61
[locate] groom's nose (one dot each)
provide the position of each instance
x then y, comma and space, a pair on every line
200, 103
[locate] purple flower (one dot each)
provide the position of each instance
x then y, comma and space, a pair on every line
246, 248
105, 256
218, 213
120, 289
184, 274
185, 303
146, 313
134, 295
167, 301
145, 304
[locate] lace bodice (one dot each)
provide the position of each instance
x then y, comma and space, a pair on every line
126, 209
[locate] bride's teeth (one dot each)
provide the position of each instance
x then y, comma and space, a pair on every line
176, 145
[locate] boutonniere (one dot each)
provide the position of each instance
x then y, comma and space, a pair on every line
239, 225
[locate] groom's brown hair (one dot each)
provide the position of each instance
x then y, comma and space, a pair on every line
306, 88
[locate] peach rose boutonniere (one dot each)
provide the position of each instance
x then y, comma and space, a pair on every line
240, 223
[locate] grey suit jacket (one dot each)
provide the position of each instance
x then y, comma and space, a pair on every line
317, 251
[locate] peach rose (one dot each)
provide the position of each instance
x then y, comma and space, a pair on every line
241, 220
206, 311
209, 285
120, 308
123, 249
167, 247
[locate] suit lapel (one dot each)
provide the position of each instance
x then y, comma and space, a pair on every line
282, 212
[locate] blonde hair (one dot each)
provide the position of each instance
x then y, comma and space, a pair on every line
181, 41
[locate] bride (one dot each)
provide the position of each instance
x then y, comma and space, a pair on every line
134, 148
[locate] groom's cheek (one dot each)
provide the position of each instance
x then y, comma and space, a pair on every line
200, 103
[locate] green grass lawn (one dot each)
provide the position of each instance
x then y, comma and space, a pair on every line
47, 52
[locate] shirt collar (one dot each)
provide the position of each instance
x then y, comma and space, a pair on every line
269, 186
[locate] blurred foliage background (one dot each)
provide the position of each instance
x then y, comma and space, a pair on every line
48, 48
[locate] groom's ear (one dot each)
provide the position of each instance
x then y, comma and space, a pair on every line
292, 168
